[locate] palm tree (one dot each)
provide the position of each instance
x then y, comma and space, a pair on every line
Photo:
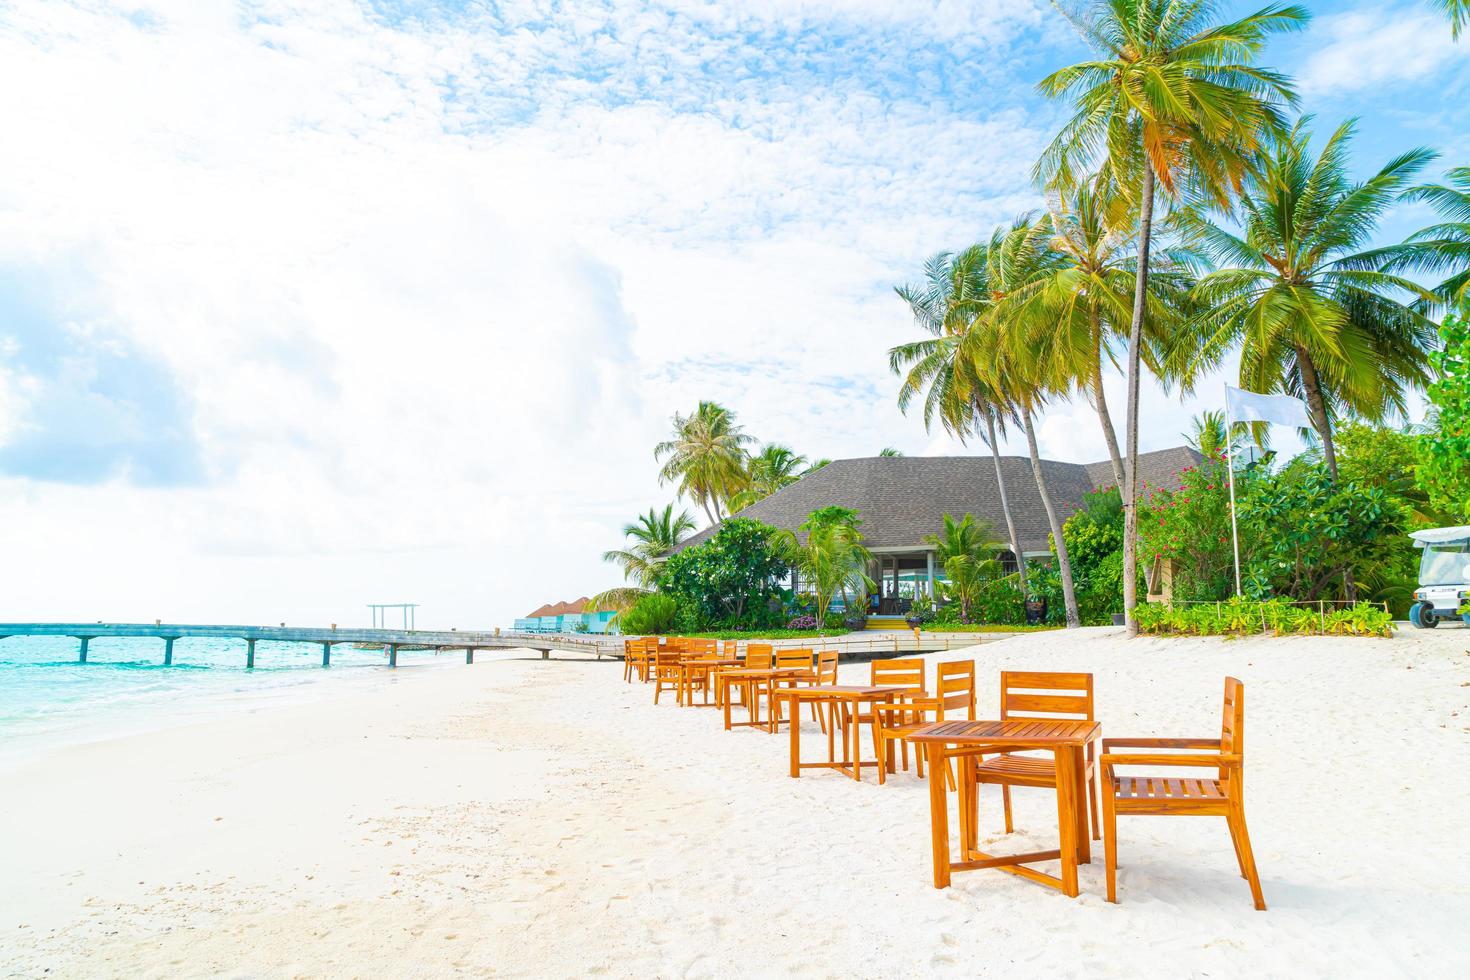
1209, 436
769, 470
1174, 100
940, 370
965, 537
1019, 261
833, 560
889, 452
1087, 293
1458, 11
705, 457
653, 536
1315, 316
966, 577
1446, 245
816, 465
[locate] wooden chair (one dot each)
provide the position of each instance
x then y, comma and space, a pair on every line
1066, 695
632, 650
790, 660
1167, 796
905, 672
954, 698
759, 655
666, 672
826, 675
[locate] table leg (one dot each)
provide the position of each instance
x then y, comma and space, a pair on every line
1079, 805
967, 796
1066, 818
938, 815
727, 705
832, 730
795, 740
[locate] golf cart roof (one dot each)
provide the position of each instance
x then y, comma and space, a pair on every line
1441, 535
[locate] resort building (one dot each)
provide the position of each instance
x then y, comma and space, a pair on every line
902, 499
566, 617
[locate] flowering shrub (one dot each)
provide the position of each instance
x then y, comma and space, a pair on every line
802, 623
1191, 527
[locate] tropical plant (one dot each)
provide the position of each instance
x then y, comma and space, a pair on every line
1208, 434
966, 537
1313, 315
1170, 99
773, 468
650, 614
705, 458
728, 581
1445, 246
1243, 617
940, 369
889, 452
653, 536
1444, 452
967, 578
1094, 537
1190, 528
832, 561
818, 464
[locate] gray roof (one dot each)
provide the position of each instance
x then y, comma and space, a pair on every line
903, 498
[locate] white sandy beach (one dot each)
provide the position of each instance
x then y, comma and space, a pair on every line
530, 818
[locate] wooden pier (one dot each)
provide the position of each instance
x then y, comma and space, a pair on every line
392, 641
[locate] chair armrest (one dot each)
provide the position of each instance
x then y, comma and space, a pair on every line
1161, 743
1151, 759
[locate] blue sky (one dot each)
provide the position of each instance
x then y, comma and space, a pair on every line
307, 305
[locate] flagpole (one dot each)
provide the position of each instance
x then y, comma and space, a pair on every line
1230, 467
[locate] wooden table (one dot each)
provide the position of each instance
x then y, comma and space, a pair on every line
747, 677
691, 667
831, 695
964, 741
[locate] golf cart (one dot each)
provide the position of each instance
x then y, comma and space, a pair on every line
1444, 575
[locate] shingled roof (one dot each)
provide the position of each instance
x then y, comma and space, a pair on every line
903, 498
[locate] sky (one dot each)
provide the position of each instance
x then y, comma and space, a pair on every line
315, 304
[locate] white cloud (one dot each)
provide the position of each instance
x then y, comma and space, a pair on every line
1377, 45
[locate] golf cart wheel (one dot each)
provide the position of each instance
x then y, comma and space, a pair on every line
1421, 614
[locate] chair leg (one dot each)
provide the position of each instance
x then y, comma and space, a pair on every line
1092, 804
1005, 796
1236, 819
1110, 845
879, 743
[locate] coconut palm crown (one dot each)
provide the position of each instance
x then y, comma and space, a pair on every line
1300, 293
705, 457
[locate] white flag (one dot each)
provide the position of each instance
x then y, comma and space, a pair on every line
1247, 406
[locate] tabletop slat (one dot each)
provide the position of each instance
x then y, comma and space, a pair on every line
1016, 732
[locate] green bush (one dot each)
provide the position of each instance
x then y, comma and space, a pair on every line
649, 615
729, 581
1242, 617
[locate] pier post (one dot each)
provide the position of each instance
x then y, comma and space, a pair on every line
469, 655
82, 657
249, 654
326, 654
392, 655
168, 651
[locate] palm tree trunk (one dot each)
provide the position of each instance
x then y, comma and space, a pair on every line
1317, 408
1130, 463
1069, 595
1105, 417
1005, 503
704, 505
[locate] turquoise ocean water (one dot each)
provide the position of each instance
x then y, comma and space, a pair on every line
48, 700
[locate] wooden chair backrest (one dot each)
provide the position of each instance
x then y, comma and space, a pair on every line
793, 658
674, 644
956, 689
666, 663
702, 647
1232, 726
731, 649
758, 655
827, 667
1065, 695
907, 672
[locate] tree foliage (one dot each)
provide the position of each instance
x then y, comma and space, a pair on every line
1444, 458
729, 581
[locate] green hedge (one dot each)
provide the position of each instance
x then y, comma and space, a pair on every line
1242, 617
